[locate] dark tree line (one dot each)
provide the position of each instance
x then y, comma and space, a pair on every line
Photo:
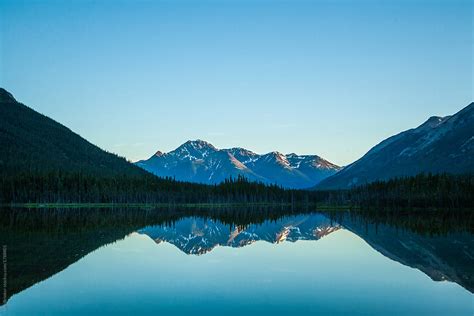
78, 187
421, 191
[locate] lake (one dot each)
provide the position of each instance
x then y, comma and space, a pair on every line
253, 261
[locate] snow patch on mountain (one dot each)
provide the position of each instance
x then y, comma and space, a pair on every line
199, 161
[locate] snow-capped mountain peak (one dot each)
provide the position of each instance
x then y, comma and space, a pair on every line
194, 150
199, 144
243, 155
199, 161
276, 157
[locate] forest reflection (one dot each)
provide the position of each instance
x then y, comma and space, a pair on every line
41, 242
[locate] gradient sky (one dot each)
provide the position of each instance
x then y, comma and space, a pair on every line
330, 78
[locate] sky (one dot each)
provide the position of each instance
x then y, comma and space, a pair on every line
331, 78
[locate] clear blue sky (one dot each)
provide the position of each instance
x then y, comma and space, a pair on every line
331, 78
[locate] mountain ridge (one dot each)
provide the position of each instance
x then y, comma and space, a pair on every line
438, 145
199, 161
31, 141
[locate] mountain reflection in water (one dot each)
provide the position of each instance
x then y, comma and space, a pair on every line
43, 242
195, 235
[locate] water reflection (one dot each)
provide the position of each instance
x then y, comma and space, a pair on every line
40, 243
445, 252
196, 235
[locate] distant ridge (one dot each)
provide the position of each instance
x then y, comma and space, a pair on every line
439, 145
199, 161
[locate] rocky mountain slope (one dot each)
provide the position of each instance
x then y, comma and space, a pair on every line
200, 161
441, 144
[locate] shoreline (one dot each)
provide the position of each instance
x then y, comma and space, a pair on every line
178, 205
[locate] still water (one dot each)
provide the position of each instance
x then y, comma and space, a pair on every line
96, 262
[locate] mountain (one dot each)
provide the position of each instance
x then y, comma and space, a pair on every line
195, 235
440, 145
30, 141
199, 161
42, 161
443, 257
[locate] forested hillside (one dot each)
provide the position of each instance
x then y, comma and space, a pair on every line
445, 191
32, 142
440, 145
